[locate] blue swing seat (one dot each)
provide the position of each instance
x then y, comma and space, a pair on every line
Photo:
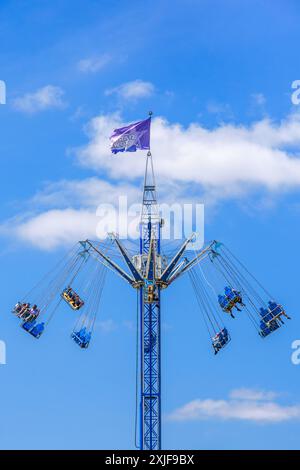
266, 330
28, 325
220, 340
34, 328
38, 330
269, 322
82, 338
230, 299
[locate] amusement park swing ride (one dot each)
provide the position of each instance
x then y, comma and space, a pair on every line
222, 285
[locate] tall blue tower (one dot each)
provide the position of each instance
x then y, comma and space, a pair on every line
150, 319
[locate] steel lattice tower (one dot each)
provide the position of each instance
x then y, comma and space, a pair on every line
149, 295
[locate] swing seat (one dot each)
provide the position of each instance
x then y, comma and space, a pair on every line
28, 325
69, 298
220, 340
270, 319
37, 330
231, 302
228, 301
273, 321
276, 313
34, 328
83, 341
266, 328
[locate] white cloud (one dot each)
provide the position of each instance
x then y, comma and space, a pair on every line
229, 160
86, 193
93, 64
253, 406
251, 394
47, 97
53, 228
65, 212
132, 90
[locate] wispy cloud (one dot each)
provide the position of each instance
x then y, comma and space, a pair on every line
243, 404
252, 394
52, 228
65, 212
132, 90
219, 109
107, 326
85, 193
93, 64
226, 161
47, 97
258, 99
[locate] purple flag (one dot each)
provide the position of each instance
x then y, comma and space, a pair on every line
132, 137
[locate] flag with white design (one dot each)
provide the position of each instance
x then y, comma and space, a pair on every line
131, 138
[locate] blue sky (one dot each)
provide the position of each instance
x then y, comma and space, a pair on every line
218, 77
